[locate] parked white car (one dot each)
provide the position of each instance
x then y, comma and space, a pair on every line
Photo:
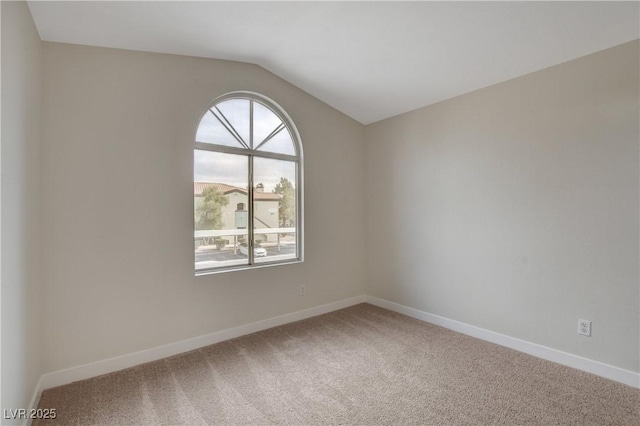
258, 250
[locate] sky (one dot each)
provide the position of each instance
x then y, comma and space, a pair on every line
233, 169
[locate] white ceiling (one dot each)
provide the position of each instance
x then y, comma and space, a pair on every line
370, 60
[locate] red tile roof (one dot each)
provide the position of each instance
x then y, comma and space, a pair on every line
199, 187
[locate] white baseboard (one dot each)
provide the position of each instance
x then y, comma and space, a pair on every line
86, 371
590, 366
35, 399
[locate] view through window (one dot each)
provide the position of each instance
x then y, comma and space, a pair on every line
247, 194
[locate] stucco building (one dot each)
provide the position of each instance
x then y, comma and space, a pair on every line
234, 214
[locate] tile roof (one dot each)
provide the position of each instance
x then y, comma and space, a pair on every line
199, 187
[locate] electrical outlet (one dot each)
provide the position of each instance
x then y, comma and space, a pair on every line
584, 327
303, 289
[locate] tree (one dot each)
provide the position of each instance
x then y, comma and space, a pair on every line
209, 212
287, 203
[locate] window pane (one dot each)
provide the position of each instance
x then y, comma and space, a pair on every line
220, 198
274, 210
236, 111
280, 143
264, 123
212, 131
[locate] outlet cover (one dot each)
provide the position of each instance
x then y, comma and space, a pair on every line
584, 327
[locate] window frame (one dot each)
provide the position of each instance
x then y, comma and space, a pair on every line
250, 154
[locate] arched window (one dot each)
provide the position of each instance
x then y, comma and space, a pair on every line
247, 153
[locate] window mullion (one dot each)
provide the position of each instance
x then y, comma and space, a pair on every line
271, 136
227, 125
250, 191
250, 218
204, 146
251, 124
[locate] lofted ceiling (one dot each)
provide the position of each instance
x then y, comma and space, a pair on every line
370, 60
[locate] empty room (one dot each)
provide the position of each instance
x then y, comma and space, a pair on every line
300, 213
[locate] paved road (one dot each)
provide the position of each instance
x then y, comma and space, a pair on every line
215, 255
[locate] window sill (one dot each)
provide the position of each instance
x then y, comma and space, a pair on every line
245, 267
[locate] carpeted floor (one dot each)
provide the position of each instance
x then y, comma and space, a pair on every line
361, 365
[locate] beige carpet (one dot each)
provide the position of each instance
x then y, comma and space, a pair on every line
361, 365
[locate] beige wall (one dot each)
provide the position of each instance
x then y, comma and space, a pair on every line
119, 266
20, 199
515, 208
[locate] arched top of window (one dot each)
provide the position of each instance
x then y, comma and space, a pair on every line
249, 121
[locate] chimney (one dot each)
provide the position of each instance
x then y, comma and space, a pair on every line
260, 187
